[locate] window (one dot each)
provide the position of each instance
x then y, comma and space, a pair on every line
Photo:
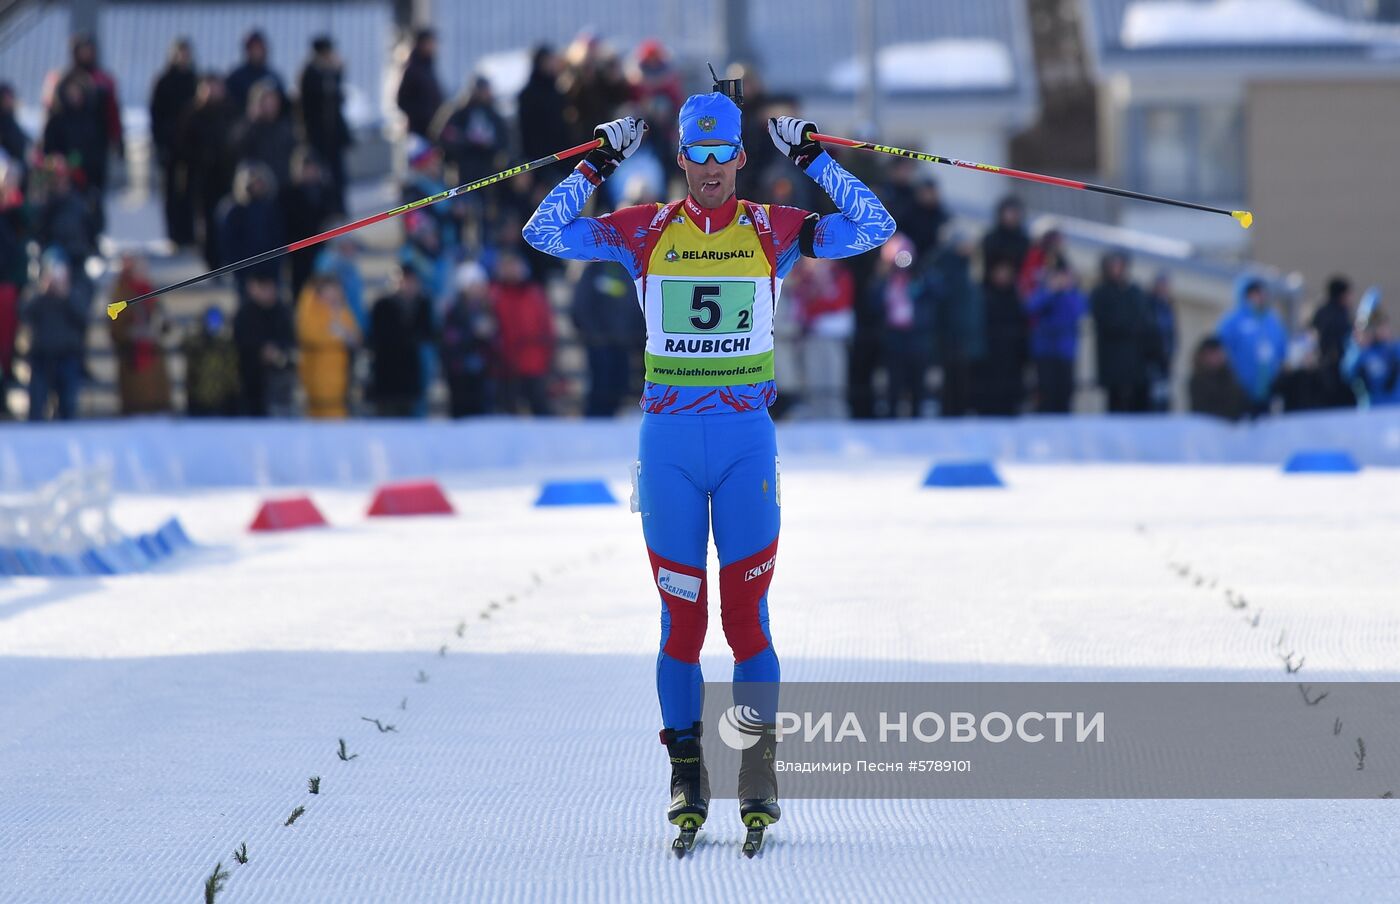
1188, 152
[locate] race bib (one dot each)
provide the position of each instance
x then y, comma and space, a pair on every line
707, 307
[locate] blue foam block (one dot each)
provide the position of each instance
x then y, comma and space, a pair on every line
575, 492
31, 562
135, 554
67, 566
1321, 461
96, 563
950, 474
151, 545
173, 533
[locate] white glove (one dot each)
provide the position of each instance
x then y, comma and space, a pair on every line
792, 136
621, 137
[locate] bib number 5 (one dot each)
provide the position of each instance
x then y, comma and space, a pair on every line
706, 308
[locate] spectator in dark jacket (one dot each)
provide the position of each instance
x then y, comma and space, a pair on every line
1055, 310
468, 342
57, 321
475, 139
472, 133
206, 142
265, 135
1301, 385
959, 319
251, 222
64, 220
172, 95
1008, 239
14, 143
999, 378
399, 323
541, 107
266, 341
594, 82
1162, 343
99, 104
323, 122
75, 132
1333, 322
420, 93
252, 70
916, 205
609, 324
1122, 335
1213, 387
308, 205
67, 222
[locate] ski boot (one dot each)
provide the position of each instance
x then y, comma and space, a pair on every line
690, 785
758, 789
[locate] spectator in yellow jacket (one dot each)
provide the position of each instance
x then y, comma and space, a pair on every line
327, 334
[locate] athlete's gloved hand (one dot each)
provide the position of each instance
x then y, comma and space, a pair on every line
793, 137
621, 138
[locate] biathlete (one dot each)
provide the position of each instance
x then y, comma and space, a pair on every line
708, 271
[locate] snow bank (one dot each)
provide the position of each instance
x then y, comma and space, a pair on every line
950, 64
1181, 23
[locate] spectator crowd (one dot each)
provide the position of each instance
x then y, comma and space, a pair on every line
940, 322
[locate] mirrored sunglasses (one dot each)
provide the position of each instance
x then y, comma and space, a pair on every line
699, 153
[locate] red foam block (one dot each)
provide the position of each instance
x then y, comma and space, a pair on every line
413, 497
287, 514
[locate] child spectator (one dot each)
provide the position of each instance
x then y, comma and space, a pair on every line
326, 336
1213, 388
143, 378
57, 322
468, 342
211, 368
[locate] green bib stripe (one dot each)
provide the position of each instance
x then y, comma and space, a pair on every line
687, 371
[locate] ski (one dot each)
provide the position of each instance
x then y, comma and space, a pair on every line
753, 839
686, 839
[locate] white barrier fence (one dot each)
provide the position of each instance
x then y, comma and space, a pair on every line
66, 516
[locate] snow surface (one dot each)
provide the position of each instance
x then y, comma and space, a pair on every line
1244, 23
948, 64
154, 722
